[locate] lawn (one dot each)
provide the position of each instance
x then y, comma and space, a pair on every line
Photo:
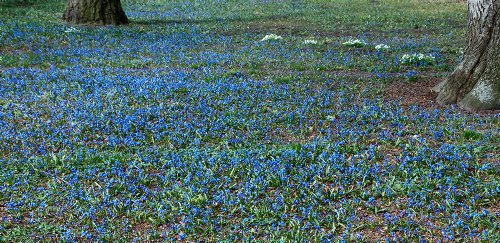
186, 125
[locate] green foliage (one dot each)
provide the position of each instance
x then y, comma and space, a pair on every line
472, 135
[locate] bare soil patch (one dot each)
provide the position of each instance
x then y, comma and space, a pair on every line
3, 210
420, 93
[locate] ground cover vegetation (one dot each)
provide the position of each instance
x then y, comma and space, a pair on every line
188, 124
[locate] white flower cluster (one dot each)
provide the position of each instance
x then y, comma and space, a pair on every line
417, 58
71, 30
271, 37
355, 43
382, 47
310, 42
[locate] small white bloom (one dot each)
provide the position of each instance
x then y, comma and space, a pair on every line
71, 30
330, 118
271, 37
382, 47
308, 42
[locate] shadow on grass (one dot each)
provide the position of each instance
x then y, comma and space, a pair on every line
209, 21
25, 3
15, 4
279, 24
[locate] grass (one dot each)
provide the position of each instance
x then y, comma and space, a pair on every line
184, 126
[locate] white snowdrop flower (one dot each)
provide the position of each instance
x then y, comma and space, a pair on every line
271, 37
417, 58
309, 42
381, 47
355, 43
330, 118
71, 30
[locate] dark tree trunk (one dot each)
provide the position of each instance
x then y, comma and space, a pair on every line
475, 82
101, 12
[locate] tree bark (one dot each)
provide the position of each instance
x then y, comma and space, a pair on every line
100, 12
475, 82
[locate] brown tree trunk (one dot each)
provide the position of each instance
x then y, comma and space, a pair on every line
101, 12
475, 82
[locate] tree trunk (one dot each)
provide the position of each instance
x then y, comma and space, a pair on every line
101, 12
475, 82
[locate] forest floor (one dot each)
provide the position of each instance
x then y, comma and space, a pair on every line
194, 123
